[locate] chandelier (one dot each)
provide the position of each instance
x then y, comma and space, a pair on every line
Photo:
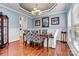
36, 11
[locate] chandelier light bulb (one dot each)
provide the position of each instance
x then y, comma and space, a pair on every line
36, 11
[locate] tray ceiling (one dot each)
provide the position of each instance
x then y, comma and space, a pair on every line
41, 6
47, 7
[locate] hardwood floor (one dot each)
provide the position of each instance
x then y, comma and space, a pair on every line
18, 49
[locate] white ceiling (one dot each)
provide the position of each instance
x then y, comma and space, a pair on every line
42, 6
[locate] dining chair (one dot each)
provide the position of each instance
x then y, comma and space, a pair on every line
37, 39
27, 36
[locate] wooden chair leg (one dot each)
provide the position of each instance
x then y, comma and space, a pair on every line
33, 44
39, 46
42, 44
30, 44
25, 43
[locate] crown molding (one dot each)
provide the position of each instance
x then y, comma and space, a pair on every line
50, 14
26, 13
13, 10
43, 12
48, 10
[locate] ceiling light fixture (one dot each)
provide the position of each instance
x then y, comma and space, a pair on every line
36, 11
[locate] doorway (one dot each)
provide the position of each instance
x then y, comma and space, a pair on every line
22, 23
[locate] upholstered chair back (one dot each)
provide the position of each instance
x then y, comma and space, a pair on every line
34, 33
36, 36
27, 35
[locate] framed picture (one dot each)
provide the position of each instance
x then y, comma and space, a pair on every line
37, 22
45, 22
55, 21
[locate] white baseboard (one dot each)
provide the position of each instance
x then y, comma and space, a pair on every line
13, 40
73, 50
